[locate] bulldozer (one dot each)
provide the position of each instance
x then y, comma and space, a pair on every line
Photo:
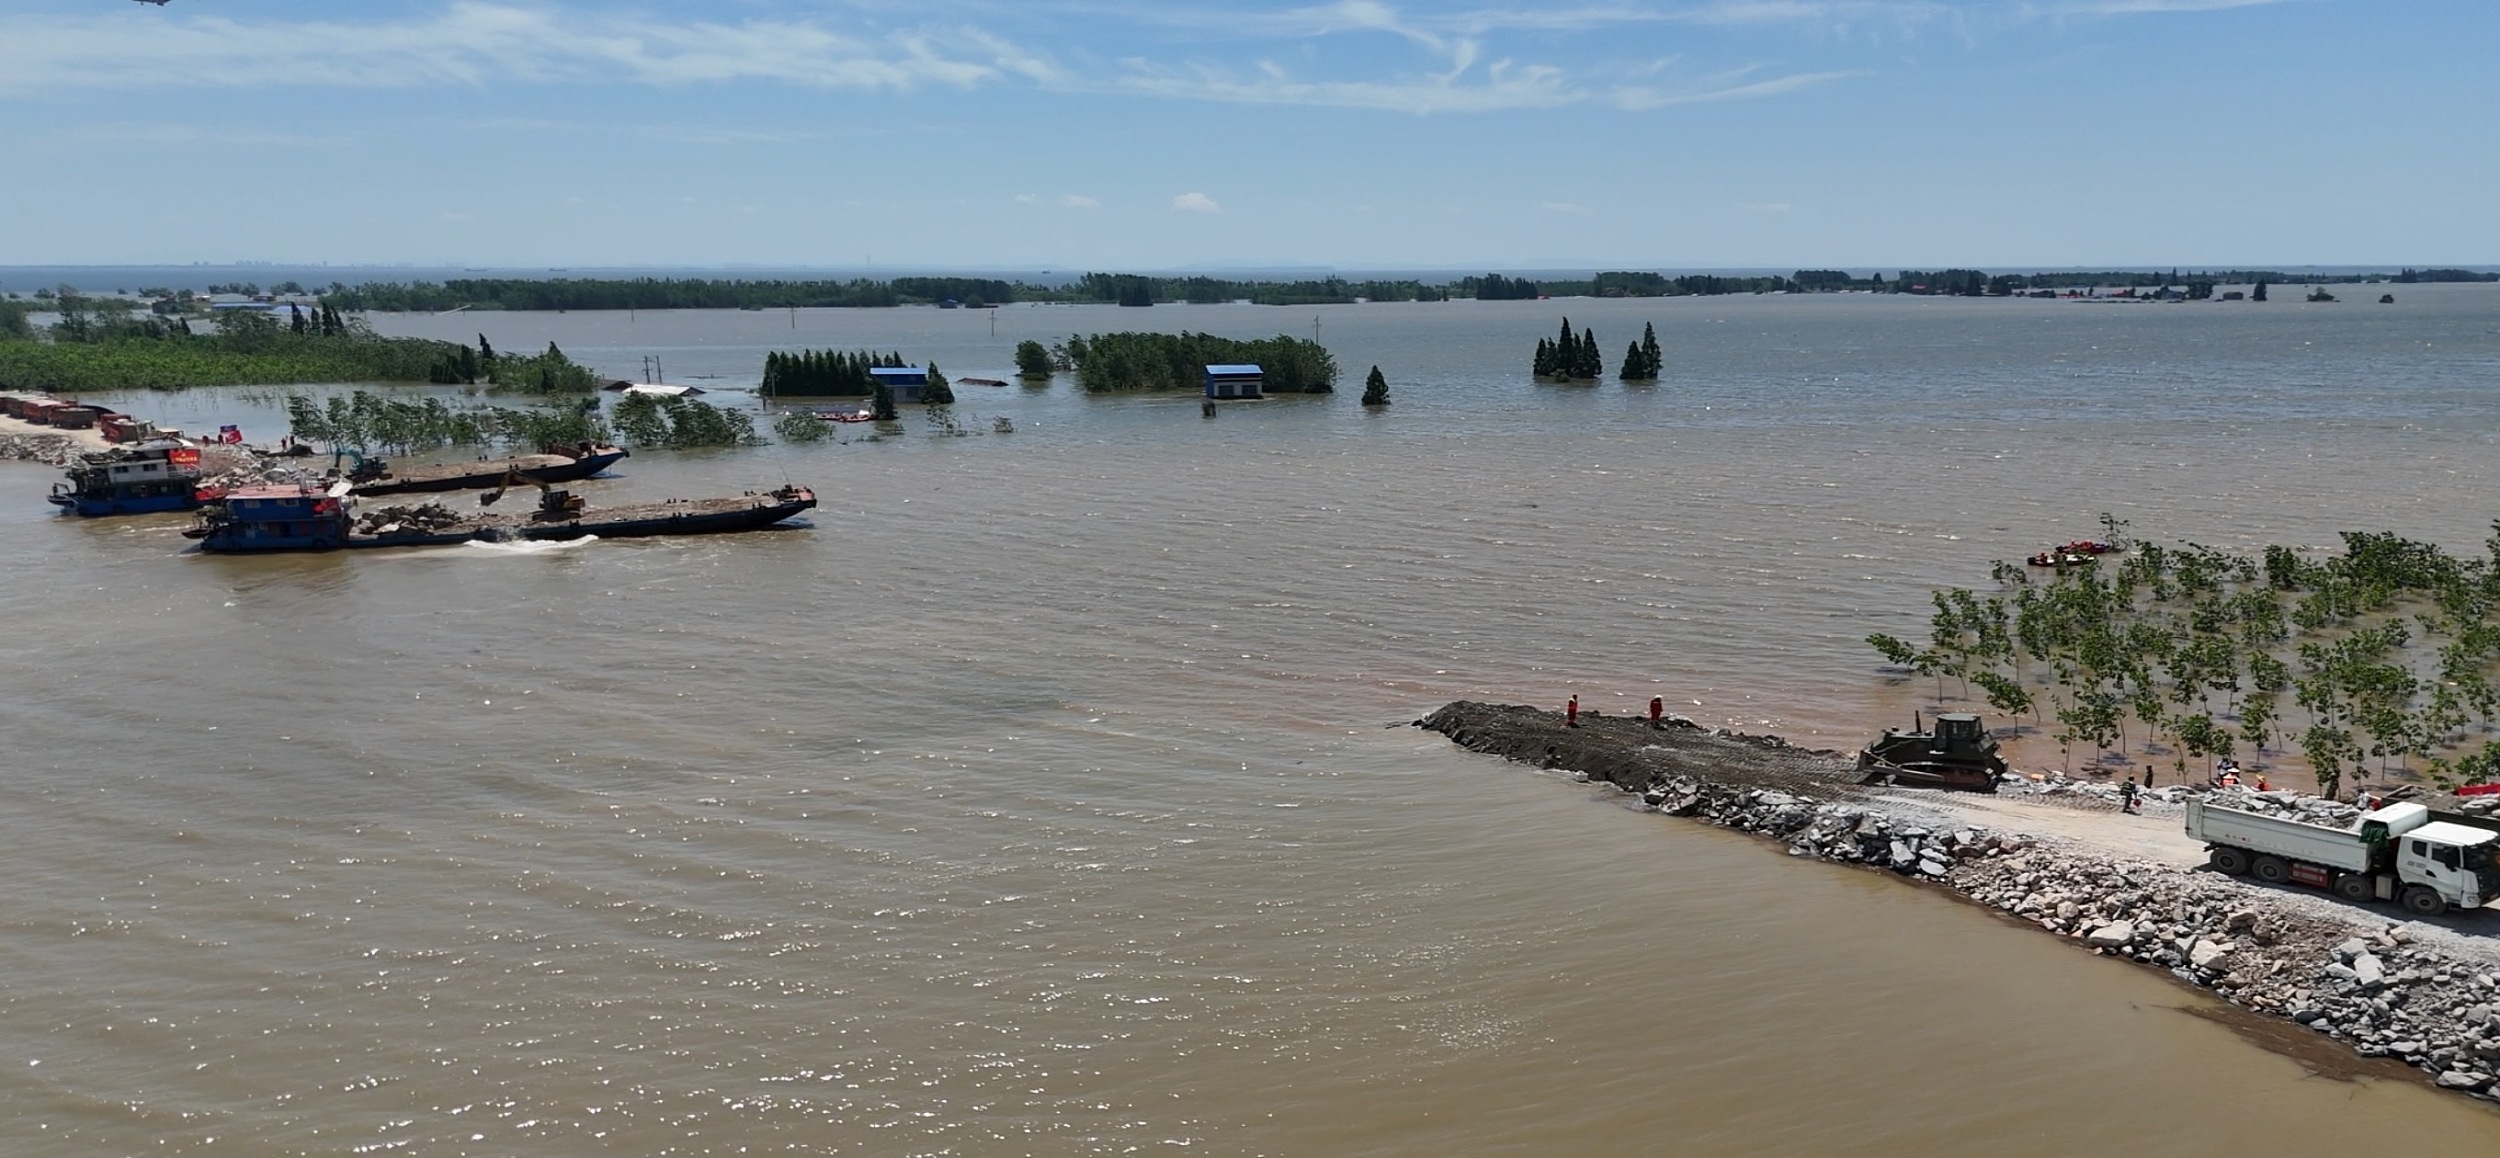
553, 505
1957, 753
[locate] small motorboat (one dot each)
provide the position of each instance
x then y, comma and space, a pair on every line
2062, 558
980, 381
862, 414
2088, 547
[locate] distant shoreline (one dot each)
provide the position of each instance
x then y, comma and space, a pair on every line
197, 291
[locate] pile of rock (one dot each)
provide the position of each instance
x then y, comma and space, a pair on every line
2406, 991
227, 468
418, 519
2386, 995
1840, 831
54, 449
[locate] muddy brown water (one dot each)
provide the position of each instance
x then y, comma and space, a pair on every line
1036, 798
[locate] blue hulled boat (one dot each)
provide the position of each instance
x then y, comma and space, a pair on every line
139, 480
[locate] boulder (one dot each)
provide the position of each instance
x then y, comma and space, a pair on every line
2204, 953
2367, 970
2111, 936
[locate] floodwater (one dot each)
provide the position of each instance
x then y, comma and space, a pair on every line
1045, 794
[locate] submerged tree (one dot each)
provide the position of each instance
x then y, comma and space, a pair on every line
1375, 389
1570, 357
938, 391
1643, 359
1032, 359
679, 423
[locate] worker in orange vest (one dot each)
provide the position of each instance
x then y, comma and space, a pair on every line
1571, 713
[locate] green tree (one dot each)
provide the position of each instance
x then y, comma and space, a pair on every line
679, 423
1032, 359
1375, 389
246, 331
939, 392
801, 426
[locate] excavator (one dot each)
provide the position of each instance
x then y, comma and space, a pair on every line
553, 505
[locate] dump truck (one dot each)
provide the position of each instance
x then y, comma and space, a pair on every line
2405, 853
1958, 753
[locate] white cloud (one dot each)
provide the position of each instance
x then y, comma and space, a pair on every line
1648, 97
1079, 201
1456, 58
1196, 203
474, 42
1027, 199
1506, 85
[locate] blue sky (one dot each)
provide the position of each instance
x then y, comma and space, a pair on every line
1363, 134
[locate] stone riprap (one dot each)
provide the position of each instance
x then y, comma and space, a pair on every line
2423, 992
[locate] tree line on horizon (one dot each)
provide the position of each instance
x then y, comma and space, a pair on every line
567, 293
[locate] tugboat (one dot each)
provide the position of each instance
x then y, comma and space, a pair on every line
281, 517
139, 480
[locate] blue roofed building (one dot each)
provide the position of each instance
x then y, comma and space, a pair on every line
905, 381
1236, 381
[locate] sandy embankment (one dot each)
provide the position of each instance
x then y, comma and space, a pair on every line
28, 442
25, 440
2423, 992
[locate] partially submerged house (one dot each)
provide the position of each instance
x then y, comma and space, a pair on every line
652, 388
905, 381
1236, 381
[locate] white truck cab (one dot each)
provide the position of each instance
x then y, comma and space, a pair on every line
2452, 858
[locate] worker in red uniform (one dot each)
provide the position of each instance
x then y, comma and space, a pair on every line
1571, 713
1657, 710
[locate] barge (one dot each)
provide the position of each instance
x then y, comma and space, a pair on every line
373, 476
311, 517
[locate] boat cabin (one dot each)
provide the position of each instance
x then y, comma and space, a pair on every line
1236, 381
294, 517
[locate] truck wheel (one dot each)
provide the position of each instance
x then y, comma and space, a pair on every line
2228, 860
2425, 901
2355, 887
2271, 870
